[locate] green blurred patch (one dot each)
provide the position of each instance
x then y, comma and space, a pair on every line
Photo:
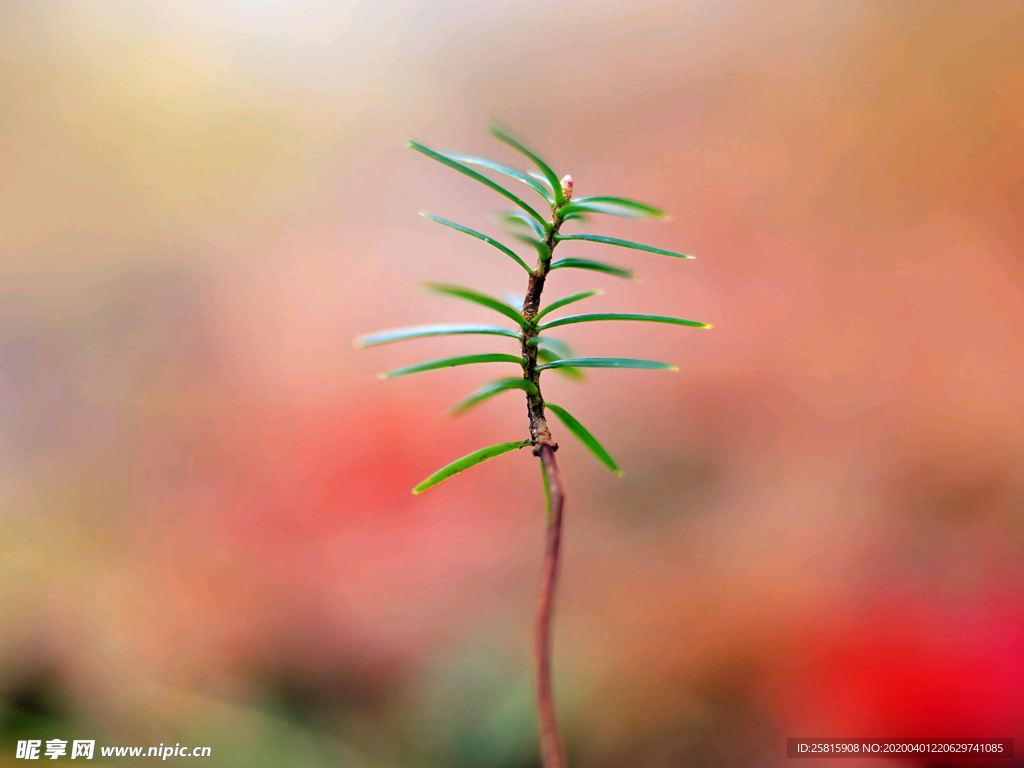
476, 709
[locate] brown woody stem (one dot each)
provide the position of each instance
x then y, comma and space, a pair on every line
544, 448
550, 746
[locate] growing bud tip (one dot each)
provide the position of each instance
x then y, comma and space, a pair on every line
567, 187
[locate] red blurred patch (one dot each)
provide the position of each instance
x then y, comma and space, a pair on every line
297, 477
903, 670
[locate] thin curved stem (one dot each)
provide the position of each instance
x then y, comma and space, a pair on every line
544, 448
550, 744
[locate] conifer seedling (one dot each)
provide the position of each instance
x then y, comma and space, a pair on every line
530, 327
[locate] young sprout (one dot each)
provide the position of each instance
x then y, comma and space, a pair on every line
538, 351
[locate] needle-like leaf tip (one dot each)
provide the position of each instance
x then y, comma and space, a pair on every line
584, 436
467, 461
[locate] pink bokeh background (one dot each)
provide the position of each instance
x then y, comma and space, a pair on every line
206, 527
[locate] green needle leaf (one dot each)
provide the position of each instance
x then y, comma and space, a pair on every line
578, 216
584, 436
576, 207
479, 236
451, 362
468, 461
478, 298
421, 331
593, 266
550, 175
642, 208
542, 179
517, 218
621, 316
606, 362
492, 389
543, 252
501, 168
557, 346
565, 302
623, 244
445, 160
548, 356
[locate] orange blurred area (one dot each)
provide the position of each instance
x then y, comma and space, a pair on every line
207, 531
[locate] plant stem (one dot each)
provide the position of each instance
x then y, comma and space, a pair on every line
550, 746
544, 448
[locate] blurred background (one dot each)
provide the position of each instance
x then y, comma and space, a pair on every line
205, 518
